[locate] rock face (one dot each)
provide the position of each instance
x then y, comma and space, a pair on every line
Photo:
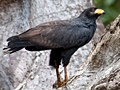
26, 70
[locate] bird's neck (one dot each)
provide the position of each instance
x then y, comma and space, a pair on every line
88, 21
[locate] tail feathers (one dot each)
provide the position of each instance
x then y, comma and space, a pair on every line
13, 38
15, 44
11, 50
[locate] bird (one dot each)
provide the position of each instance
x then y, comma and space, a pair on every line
62, 37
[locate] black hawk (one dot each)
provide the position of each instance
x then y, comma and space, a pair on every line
63, 37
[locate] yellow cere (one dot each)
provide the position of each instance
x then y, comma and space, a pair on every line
99, 11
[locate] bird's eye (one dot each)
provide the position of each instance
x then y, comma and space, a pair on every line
93, 10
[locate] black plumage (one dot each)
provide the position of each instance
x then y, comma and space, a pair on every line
63, 37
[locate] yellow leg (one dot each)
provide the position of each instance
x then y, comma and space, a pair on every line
66, 77
60, 84
58, 75
65, 70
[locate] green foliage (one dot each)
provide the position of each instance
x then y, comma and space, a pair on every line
111, 7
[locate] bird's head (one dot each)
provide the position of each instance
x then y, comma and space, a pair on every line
93, 12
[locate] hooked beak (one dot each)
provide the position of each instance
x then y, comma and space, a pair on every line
99, 11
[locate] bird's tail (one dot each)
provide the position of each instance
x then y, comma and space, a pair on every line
15, 44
